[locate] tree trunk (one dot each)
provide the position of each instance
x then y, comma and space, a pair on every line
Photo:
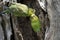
53, 9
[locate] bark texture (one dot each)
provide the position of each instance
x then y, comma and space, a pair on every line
53, 9
20, 27
40, 13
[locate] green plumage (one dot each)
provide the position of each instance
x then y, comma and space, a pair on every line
35, 23
22, 10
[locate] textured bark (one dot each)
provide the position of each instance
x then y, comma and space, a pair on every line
53, 9
21, 26
25, 28
1, 30
5, 27
40, 13
8, 28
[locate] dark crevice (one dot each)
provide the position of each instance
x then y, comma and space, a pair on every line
12, 36
26, 29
